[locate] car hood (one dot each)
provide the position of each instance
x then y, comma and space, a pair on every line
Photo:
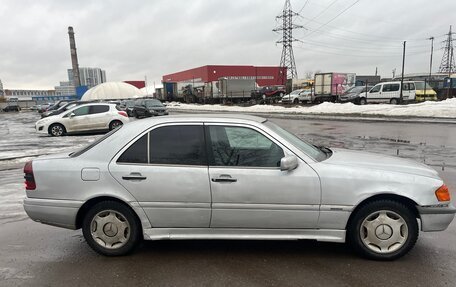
367, 160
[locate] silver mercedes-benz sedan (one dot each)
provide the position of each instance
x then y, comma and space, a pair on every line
233, 177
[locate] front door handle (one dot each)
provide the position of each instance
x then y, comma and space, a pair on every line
224, 178
134, 176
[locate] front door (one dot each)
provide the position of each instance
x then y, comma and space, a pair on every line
248, 188
77, 120
166, 171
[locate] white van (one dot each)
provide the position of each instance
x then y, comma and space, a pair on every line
390, 92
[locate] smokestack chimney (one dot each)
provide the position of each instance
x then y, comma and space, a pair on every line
74, 58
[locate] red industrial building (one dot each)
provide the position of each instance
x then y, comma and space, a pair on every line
207, 77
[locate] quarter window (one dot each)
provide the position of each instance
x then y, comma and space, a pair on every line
239, 146
178, 145
136, 153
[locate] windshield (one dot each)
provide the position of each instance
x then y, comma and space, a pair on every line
295, 92
307, 148
153, 103
420, 86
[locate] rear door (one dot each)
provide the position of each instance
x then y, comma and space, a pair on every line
248, 188
99, 117
166, 171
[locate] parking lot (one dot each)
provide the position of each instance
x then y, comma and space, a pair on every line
33, 254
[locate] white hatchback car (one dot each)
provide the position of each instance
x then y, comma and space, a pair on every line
298, 96
84, 118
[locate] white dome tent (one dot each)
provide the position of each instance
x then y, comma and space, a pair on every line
111, 91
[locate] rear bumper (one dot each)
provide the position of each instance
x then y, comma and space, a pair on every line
436, 218
60, 213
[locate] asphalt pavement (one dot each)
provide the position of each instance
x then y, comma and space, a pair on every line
33, 254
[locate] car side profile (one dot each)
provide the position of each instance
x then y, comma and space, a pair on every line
233, 177
91, 117
390, 92
148, 108
298, 96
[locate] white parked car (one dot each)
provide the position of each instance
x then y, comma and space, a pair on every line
298, 96
389, 92
233, 177
83, 118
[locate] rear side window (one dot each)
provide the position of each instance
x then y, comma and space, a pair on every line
98, 109
391, 87
409, 87
178, 145
136, 153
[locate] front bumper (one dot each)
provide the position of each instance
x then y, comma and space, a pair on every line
436, 218
41, 128
60, 213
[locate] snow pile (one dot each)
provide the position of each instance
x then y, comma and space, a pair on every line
443, 109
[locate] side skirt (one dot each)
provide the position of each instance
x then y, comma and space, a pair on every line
329, 235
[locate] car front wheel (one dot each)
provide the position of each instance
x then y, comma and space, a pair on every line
111, 228
383, 230
57, 130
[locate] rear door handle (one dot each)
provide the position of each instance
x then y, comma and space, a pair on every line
224, 178
134, 176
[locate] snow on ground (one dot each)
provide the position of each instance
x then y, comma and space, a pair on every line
443, 109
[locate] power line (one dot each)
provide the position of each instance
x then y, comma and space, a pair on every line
305, 4
333, 18
321, 12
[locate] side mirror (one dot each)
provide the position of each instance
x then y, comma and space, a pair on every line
288, 162
72, 115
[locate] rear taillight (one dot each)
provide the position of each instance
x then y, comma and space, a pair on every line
122, 113
29, 178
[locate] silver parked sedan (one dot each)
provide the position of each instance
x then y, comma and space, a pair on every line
233, 177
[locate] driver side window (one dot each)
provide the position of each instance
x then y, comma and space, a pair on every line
375, 89
82, 111
239, 146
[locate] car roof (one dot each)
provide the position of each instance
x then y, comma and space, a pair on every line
234, 118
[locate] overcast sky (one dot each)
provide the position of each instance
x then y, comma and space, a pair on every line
132, 39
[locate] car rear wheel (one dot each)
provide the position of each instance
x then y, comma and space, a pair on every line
383, 230
115, 124
393, 101
57, 130
111, 228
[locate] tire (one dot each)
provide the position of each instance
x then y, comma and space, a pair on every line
57, 130
362, 101
383, 230
115, 124
296, 101
120, 233
394, 101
